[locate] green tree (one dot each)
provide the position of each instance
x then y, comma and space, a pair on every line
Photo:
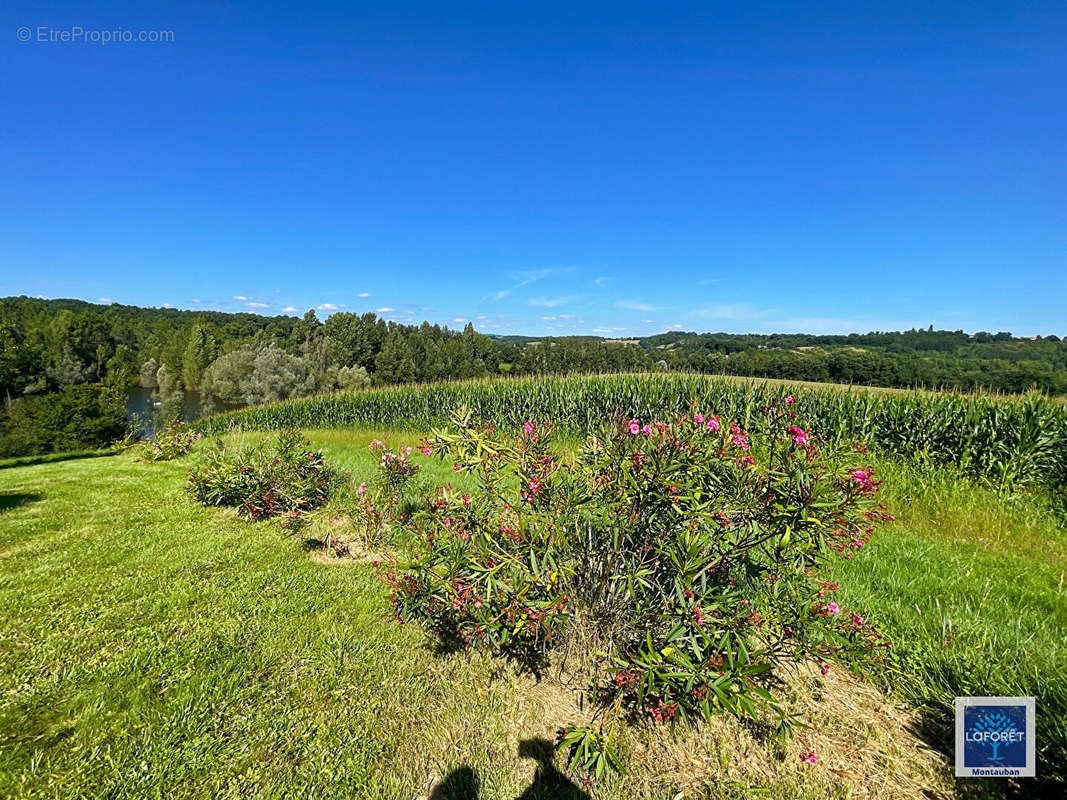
201, 349
395, 363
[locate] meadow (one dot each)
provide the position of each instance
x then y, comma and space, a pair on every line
152, 647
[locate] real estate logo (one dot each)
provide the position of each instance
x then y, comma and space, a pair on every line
995, 737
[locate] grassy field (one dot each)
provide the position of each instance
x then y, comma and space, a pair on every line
153, 648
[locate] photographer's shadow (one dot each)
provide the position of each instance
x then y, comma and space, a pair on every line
548, 783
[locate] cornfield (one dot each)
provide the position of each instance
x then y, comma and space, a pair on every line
1008, 442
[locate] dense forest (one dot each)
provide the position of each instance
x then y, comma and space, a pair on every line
66, 366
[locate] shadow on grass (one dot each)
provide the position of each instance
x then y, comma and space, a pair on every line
548, 783
10, 500
51, 458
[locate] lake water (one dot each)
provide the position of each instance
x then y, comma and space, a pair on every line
140, 404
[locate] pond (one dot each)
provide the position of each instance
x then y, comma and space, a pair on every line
141, 405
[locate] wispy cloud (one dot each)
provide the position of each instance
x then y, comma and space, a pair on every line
328, 307
634, 305
289, 309
240, 297
525, 278
732, 311
384, 310
107, 300
550, 302
258, 305
364, 295
603, 280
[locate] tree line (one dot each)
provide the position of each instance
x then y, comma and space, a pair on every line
66, 366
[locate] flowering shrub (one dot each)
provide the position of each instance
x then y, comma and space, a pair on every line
373, 509
172, 442
692, 547
280, 476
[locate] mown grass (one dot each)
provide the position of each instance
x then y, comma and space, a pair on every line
153, 648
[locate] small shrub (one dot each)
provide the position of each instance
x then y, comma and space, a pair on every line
280, 476
174, 441
691, 548
374, 509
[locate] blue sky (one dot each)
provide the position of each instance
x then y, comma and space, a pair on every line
617, 168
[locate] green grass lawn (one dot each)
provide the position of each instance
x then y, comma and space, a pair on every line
150, 647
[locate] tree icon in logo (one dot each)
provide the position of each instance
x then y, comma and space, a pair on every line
994, 729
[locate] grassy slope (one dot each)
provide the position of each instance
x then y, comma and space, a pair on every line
151, 648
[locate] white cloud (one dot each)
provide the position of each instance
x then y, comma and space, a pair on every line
526, 277
566, 316
384, 310
734, 311
167, 305
647, 321
240, 297
196, 299
459, 319
289, 308
634, 305
549, 302
107, 300
548, 318
363, 294
327, 307
258, 305
603, 281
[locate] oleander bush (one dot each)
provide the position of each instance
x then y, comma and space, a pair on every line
372, 510
1008, 442
281, 475
691, 548
174, 441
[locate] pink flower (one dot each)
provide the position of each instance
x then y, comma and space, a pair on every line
809, 757
527, 428
833, 608
824, 668
860, 475
426, 449
799, 435
447, 522
790, 400
362, 490
713, 423
635, 427
748, 460
698, 418
647, 430
856, 618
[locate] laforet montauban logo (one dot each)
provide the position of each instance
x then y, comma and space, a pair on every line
995, 737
